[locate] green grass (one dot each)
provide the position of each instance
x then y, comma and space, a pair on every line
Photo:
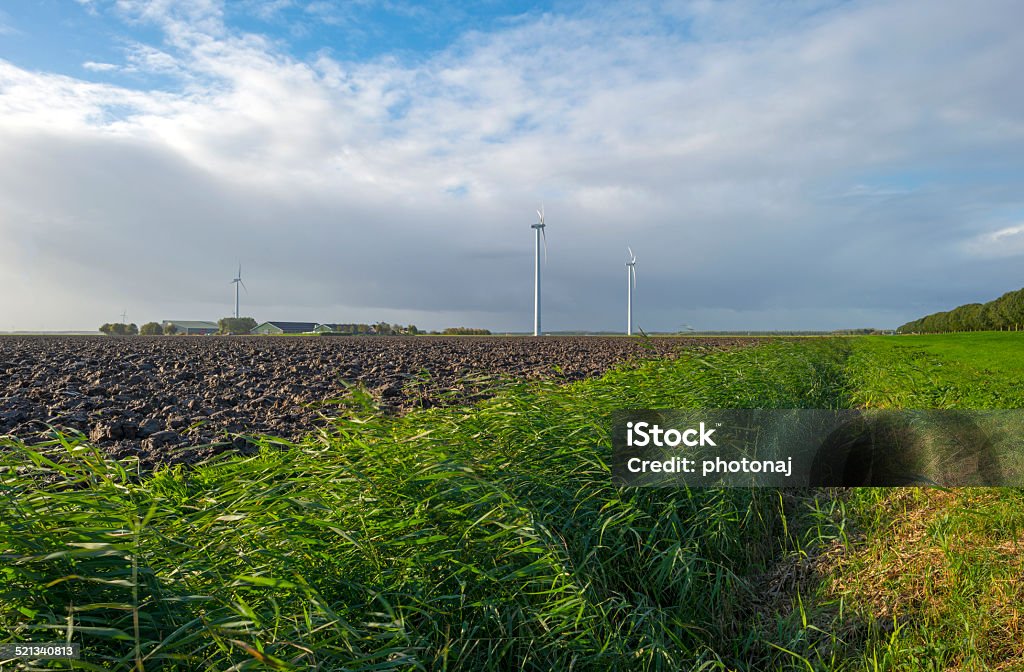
490, 538
975, 370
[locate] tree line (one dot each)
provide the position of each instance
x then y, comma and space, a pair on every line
1003, 314
120, 329
148, 329
227, 325
244, 325
379, 328
385, 329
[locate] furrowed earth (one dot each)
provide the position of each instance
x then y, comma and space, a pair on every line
183, 399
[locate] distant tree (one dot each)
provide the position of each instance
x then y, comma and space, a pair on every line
1006, 312
974, 316
120, 329
1013, 309
987, 317
412, 329
236, 325
956, 319
912, 327
936, 323
151, 329
466, 331
170, 329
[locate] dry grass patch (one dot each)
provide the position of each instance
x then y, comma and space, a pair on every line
942, 576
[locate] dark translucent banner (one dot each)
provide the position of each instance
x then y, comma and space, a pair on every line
818, 448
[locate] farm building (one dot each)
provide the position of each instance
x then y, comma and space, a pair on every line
284, 328
191, 327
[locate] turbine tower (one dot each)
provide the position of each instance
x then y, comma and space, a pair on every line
630, 285
238, 281
539, 229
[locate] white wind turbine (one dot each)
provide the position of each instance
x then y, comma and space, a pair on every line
630, 285
539, 229
238, 281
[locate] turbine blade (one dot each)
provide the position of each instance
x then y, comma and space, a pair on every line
630, 250
243, 286
632, 270
545, 237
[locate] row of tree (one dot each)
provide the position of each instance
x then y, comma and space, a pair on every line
235, 325
148, 329
227, 325
379, 328
245, 325
1003, 314
385, 329
120, 329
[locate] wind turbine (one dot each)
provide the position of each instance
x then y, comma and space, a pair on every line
238, 281
539, 228
630, 285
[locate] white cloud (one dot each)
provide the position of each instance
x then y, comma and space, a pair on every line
268, 9
1004, 242
99, 67
145, 58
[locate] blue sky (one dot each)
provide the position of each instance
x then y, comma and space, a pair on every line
807, 165
62, 35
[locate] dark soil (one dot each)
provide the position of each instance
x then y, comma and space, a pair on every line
181, 399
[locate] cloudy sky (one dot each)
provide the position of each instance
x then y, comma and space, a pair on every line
805, 165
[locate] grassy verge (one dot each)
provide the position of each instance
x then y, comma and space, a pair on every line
476, 538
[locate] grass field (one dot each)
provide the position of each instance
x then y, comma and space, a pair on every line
490, 538
972, 370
